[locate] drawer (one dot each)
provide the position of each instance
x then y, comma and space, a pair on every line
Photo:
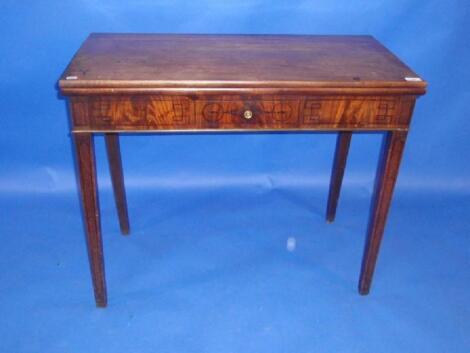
239, 113
235, 112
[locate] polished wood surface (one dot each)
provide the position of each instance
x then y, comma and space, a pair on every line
117, 179
387, 173
130, 83
339, 164
268, 112
85, 158
126, 61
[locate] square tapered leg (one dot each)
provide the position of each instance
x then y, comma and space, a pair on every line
115, 168
341, 155
86, 169
387, 172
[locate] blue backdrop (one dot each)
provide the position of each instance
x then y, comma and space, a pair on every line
206, 267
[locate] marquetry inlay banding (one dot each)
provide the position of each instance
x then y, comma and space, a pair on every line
213, 111
280, 111
354, 112
385, 111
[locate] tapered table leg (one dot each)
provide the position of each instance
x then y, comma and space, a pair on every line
341, 154
88, 189
115, 168
387, 172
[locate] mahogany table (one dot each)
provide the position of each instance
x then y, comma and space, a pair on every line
131, 83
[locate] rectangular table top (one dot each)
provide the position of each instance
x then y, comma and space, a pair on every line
236, 61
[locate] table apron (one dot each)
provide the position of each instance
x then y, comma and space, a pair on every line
233, 113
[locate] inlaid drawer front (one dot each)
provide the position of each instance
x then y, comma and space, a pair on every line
247, 113
162, 112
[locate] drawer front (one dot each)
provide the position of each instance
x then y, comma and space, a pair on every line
103, 113
229, 113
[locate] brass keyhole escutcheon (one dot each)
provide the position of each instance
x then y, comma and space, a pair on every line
248, 114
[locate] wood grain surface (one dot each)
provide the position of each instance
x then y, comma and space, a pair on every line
138, 62
268, 112
86, 169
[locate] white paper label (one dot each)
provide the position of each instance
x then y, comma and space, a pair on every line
413, 79
71, 78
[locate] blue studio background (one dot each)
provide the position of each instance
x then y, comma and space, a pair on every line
206, 268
